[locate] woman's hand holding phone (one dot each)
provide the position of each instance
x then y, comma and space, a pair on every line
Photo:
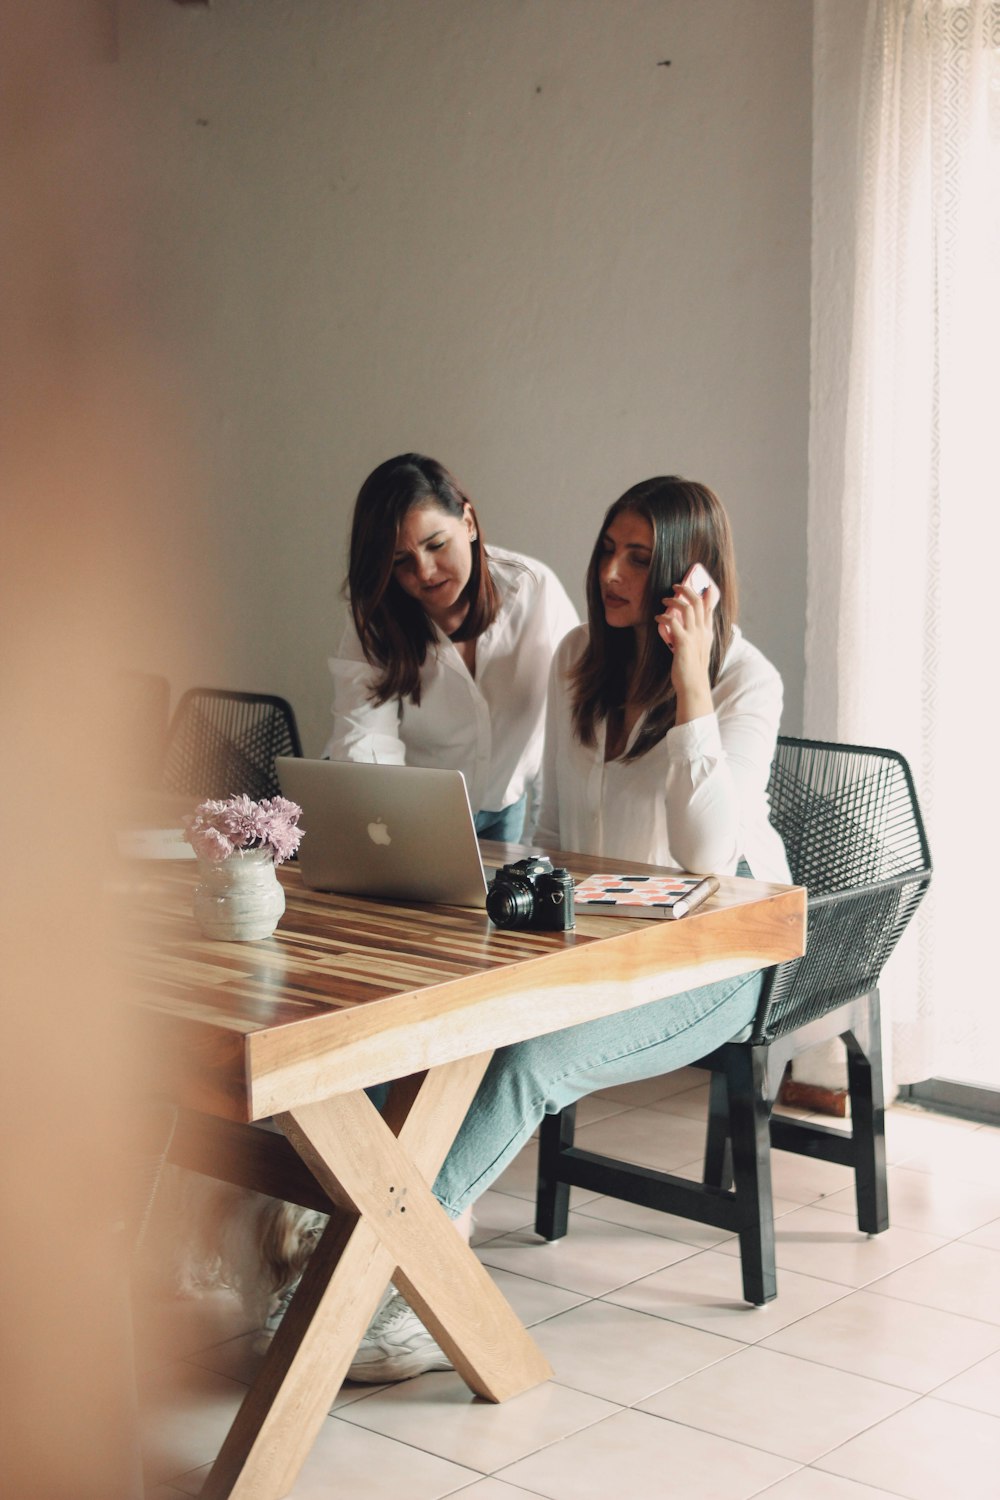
686, 627
696, 586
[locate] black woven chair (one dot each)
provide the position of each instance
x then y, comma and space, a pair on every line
223, 743
852, 829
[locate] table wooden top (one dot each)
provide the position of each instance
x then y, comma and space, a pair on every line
353, 991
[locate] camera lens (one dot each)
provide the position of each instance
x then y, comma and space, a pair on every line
509, 903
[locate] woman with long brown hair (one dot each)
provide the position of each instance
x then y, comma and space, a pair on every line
663, 717
445, 661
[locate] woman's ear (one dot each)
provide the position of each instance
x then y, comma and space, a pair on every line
470, 522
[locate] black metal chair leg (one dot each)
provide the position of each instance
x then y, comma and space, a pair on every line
864, 1079
718, 1171
552, 1199
751, 1146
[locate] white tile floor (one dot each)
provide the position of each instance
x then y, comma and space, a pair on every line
875, 1372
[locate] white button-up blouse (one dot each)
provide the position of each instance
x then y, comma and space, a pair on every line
489, 726
696, 800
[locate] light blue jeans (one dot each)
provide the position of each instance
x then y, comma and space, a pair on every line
507, 825
529, 1079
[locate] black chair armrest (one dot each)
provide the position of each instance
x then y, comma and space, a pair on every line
851, 934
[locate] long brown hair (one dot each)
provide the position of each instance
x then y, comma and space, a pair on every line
394, 630
689, 525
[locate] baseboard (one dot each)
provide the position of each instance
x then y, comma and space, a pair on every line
813, 1097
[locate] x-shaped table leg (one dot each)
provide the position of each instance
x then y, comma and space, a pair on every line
378, 1170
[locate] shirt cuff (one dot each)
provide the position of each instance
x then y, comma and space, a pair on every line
696, 739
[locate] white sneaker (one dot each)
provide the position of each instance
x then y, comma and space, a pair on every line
397, 1346
276, 1311
278, 1306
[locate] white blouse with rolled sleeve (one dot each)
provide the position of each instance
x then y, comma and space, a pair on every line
697, 800
489, 726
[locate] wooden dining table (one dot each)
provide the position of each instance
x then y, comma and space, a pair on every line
268, 1048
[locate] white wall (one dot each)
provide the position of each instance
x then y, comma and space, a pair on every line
838, 44
497, 231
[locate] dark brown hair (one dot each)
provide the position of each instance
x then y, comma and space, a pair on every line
393, 628
689, 526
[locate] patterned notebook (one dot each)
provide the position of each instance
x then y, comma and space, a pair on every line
642, 895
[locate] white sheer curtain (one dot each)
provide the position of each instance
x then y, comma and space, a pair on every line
905, 498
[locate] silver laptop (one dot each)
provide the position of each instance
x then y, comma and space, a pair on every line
376, 830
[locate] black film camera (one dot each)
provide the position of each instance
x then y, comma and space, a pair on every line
531, 893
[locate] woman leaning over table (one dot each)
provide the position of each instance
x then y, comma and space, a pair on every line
446, 659
445, 662
661, 726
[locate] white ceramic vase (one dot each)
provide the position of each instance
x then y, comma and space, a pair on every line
239, 899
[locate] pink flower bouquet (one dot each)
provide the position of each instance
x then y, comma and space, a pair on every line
217, 830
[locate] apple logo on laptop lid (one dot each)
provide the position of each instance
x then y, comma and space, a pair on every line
378, 832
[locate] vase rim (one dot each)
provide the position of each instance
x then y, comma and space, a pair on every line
259, 856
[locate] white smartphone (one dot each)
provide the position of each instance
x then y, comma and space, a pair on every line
701, 581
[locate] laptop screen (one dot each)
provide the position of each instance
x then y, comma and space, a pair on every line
375, 830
